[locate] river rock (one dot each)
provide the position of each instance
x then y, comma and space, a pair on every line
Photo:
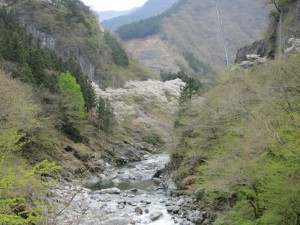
155, 215
180, 202
146, 201
118, 221
158, 172
121, 206
138, 210
135, 176
113, 190
173, 209
133, 190
195, 217
116, 181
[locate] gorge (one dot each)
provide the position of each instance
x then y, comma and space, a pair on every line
88, 135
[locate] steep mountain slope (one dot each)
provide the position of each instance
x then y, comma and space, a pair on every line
73, 32
150, 8
194, 28
240, 149
47, 104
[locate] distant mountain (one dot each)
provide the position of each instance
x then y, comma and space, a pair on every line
189, 32
107, 15
150, 8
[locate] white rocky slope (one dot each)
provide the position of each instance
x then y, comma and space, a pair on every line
149, 107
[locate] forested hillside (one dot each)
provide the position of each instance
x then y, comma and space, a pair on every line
72, 31
149, 9
239, 148
234, 151
49, 114
192, 26
242, 147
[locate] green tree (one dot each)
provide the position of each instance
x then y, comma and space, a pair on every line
196, 64
36, 63
85, 84
118, 53
22, 191
73, 109
105, 114
191, 88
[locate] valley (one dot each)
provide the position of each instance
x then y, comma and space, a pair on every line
113, 128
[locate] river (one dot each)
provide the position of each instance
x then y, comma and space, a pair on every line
129, 195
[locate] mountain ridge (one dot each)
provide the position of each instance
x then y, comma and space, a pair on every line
194, 28
150, 8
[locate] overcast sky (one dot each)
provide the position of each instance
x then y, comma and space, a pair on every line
118, 5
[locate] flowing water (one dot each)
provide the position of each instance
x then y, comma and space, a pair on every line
139, 190
129, 196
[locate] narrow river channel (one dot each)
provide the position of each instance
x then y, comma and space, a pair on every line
129, 196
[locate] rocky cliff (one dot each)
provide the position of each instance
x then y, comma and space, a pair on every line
282, 36
73, 32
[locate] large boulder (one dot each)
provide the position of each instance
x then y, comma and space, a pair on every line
262, 48
155, 215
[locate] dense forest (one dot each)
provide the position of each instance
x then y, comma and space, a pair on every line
146, 27
72, 31
149, 9
46, 103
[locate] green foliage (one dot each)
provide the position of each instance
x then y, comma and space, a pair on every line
172, 76
85, 84
105, 114
77, 36
191, 89
151, 139
22, 192
247, 134
147, 27
196, 64
72, 106
10, 143
34, 61
118, 53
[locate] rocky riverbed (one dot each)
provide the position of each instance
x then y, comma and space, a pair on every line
126, 195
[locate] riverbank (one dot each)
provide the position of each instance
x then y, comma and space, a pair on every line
130, 196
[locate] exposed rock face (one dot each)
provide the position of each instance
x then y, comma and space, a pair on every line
50, 40
293, 46
282, 36
262, 48
46, 39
